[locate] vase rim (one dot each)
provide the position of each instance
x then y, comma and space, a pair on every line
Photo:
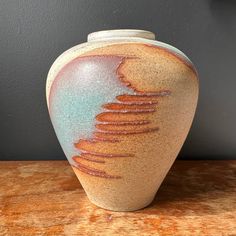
107, 34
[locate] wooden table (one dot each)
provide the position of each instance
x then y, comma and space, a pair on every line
45, 198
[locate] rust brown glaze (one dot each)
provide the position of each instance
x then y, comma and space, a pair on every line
123, 106
113, 127
148, 104
123, 123
104, 155
87, 158
131, 111
116, 117
126, 132
100, 139
139, 98
139, 103
94, 172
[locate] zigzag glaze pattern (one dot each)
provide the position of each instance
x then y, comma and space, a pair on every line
114, 123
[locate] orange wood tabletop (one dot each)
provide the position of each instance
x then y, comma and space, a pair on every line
45, 198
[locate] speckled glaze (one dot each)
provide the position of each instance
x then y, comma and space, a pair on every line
122, 105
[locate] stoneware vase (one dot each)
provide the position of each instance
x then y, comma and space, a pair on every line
122, 105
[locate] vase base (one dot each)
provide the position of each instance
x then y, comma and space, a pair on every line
126, 208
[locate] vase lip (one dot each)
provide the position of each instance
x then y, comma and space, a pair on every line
116, 33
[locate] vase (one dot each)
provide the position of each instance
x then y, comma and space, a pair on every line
121, 106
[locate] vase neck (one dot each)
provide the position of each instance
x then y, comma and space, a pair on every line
119, 33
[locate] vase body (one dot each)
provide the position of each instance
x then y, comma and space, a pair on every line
122, 105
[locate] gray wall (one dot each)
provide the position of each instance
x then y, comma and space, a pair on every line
33, 33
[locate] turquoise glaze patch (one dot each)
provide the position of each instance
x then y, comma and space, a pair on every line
77, 95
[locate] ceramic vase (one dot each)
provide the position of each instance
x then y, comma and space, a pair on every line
122, 105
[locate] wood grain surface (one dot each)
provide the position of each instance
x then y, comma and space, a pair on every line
45, 198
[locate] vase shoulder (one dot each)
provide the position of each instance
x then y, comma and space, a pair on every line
110, 38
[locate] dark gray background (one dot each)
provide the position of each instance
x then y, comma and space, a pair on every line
33, 33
